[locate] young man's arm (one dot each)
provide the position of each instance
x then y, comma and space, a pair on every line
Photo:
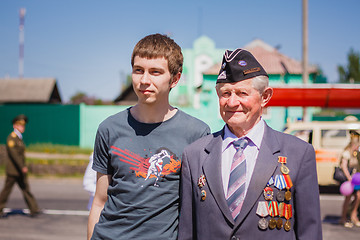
100, 199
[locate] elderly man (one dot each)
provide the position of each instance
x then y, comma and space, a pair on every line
248, 181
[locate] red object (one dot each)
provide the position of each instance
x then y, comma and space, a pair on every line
317, 95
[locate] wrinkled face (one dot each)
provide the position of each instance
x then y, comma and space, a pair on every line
19, 127
240, 105
152, 80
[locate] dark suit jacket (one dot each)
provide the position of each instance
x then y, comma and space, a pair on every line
211, 218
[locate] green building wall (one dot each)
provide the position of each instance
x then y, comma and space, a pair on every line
57, 124
90, 118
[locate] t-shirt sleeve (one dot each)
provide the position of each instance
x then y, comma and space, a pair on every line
200, 129
101, 154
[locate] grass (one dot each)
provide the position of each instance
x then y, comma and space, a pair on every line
73, 167
70, 162
57, 148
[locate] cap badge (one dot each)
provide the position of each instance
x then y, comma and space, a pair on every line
242, 63
222, 75
256, 69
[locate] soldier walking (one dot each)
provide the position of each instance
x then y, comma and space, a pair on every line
16, 170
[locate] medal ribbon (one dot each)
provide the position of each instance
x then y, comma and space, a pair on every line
262, 209
280, 182
273, 208
282, 209
288, 181
288, 211
282, 159
271, 181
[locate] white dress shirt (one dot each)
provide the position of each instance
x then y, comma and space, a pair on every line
251, 152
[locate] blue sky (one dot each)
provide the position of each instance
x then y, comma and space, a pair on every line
86, 44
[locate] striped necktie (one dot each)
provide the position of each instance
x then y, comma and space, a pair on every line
237, 180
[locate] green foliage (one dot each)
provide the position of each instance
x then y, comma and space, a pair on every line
81, 97
78, 98
57, 148
351, 72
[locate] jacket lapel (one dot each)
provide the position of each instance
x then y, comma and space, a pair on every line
212, 170
265, 166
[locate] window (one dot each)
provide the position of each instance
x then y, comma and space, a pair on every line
305, 135
334, 138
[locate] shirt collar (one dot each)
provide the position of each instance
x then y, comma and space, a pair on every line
255, 135
18, 133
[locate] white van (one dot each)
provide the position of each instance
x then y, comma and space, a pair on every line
329, 140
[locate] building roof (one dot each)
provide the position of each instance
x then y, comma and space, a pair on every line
317, 95
29, 90
270, 58
127, 96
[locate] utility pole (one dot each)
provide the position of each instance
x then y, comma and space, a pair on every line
305, 41
21, 43
305, 73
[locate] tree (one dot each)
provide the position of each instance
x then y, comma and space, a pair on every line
78, 98
81, 97
351, 72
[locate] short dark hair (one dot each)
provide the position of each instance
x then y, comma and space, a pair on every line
157, 46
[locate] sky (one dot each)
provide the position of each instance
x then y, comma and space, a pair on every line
86, 44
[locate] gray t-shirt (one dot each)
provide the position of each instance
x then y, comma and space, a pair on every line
144, 163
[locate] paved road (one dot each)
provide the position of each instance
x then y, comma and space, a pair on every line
52, 194
68, 196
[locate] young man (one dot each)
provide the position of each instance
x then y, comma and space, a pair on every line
137, 151
16, 169
248, 181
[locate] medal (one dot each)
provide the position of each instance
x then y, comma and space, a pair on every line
273, 212
287, 215
287, 225
272, 223
280, 196
203, 195
283, 168
263, 224
279, 223
287, 195
263, 211
289, 184
201, 181
268, 193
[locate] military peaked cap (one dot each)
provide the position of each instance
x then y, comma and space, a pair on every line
22, 119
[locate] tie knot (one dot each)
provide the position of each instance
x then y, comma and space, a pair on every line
240, 143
